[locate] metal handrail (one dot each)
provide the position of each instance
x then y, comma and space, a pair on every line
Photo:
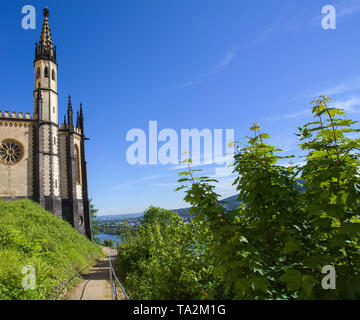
61, 287
115, 281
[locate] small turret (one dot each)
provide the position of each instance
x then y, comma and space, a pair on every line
81, 119
77, 120
70, 114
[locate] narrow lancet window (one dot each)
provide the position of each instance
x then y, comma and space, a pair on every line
78, 165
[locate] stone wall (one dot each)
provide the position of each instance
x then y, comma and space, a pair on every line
16, 180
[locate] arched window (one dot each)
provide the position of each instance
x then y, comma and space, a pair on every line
78, 165
46, 72
38, 73
53, 75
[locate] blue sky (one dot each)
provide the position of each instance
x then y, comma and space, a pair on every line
185, 64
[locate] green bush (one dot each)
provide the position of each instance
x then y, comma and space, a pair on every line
293, 220
167, 259
32, 236
108, 243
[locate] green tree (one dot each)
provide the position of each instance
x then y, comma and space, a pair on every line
292, 221
108, 243
251, 244
125, 230
94, 223
331, 199
167, 259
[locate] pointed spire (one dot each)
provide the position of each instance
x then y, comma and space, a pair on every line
45, 49
70, 114
77, 120
45, 38
81, 119
81, 111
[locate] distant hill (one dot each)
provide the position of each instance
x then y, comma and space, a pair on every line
119, 217
230, 203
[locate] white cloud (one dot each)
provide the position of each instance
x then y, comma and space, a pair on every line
293, 20
344, 87
347, 8
226, 60
230, 56
225, 187
292, 115
351, 105
199, 162
141, 180
165, 185
187, 84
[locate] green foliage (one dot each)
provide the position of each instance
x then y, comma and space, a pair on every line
292, 222
94, 223
125, 230
29, 235
276, 243
331, 200
108, 243
167, 259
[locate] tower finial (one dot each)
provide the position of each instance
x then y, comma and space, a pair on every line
46, 12
45, 49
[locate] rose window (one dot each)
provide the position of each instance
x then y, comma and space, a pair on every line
10, 152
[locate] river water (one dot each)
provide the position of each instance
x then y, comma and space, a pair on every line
113, 237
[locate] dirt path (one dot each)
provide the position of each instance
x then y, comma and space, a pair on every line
95, 284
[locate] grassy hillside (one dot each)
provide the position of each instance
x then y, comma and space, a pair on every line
29, 235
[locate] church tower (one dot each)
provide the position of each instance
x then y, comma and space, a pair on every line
41, 159
46, 73
45, 90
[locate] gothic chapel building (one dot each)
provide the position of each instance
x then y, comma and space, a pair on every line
41, 159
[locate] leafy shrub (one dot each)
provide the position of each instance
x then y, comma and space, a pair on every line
108, 243
292, 221
275, 244
167, 259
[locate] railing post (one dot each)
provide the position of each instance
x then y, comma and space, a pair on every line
111, 282
113, 278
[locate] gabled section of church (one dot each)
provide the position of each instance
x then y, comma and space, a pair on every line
41, 159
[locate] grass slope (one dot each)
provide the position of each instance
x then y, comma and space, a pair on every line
32, 236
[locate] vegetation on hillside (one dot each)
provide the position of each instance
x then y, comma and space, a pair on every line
94, 223
31, 236
292, 222
167, 259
